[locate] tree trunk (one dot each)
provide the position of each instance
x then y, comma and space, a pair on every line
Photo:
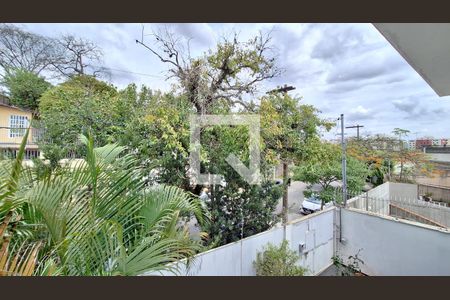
401, 170
285, 192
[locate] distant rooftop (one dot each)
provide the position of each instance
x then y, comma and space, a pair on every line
5, 102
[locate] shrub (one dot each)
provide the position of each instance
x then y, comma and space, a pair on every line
350, 268
278, 261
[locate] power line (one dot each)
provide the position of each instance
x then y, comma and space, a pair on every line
357, 129
137, 73
283, 89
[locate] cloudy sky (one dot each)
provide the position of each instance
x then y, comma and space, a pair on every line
339, 68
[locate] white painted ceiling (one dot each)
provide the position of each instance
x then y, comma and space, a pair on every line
426, 47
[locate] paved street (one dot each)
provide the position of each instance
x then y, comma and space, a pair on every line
295, 198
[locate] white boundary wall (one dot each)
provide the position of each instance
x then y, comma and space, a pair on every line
375, 200
391, 246
403, 190
403, 195
315, 231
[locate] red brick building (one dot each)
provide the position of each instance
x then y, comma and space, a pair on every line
420, 144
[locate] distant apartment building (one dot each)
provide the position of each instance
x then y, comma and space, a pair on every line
13, 124
411, 144
436, 142
423, 143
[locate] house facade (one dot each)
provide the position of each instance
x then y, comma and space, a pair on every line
436, 142
422, 143
412, 144
13, 124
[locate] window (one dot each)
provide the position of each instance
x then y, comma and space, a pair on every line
17, 125
12, 153
30, 154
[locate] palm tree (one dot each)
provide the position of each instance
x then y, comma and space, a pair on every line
93, 217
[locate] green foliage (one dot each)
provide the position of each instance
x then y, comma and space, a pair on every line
159, 135
25, 88
224, 73
95, 217
82, 104
290, 133
278, 261
240, 210
350, 268
327, 168
237, 201
160, 138
289, 129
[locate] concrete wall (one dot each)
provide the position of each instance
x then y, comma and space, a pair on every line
316, 231
438, 193
437, 181
403, 190
394, 247
441, 157
431, 211
387, 245
375, 200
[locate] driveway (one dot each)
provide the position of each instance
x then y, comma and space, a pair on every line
295, 199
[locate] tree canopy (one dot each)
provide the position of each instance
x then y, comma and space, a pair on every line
62, 56
384, 153
25, 88
326, 168
24, 50
226, 73
82, 104
93, 218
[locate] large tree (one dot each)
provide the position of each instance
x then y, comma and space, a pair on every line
231, 70
62, 56
326, 168
81, 104
217, 83
27, 51
25, 88
290, 131
79, 57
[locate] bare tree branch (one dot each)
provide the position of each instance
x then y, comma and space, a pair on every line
78, 57
233, 69
24, 50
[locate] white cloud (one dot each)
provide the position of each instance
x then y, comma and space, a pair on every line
339, 68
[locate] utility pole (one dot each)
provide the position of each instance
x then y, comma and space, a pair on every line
344, 163
284, 90
357, 129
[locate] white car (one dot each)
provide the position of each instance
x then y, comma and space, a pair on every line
313, 204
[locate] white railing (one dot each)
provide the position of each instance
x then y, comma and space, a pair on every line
387, 199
